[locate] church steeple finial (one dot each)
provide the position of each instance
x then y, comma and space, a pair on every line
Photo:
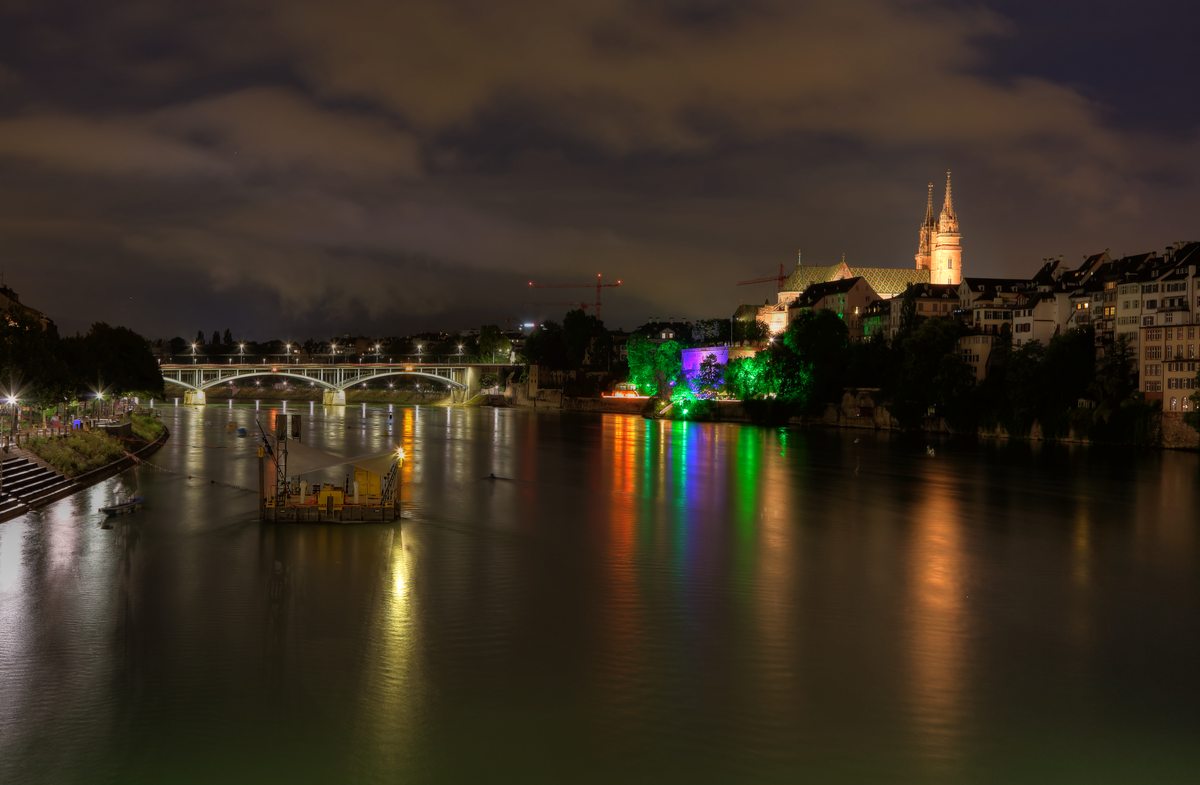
948, 205
929, 206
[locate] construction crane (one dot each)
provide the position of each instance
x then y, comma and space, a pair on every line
778, 279
598, 286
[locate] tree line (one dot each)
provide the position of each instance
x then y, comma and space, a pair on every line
921, 377
40, 367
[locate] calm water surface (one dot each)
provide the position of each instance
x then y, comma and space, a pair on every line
631, 601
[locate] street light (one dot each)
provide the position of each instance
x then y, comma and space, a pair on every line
419, 348
12, 401
377, 353
287, 352
194, 352
333, 352
460, 348
241, 353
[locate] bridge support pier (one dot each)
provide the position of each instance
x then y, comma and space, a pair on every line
334, 398
194, 398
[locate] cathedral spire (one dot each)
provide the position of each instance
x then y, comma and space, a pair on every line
948, 220
948, 205
929, 206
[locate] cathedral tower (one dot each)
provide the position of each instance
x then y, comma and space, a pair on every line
946, 260
928, 230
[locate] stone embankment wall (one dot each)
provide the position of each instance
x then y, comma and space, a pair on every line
858, 410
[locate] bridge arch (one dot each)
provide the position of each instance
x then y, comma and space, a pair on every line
251, 374
384, 374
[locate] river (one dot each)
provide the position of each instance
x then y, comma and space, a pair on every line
628, 601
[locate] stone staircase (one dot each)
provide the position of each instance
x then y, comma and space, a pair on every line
26, 485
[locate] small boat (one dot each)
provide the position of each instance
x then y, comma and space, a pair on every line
122, 508
241, 433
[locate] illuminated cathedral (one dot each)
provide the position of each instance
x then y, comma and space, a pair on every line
938, 260
939, 249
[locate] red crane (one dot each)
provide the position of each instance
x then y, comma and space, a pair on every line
778, 279
598, 286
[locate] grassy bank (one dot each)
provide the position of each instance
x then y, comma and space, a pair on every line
79, 452
147, 427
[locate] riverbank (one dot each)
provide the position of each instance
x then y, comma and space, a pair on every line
857, 412
31, 482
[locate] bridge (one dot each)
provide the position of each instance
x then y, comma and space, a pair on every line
461, 379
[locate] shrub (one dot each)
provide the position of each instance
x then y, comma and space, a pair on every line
77, 452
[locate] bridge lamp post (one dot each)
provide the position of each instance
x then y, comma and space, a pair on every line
460, 350
419, 348
241, 353
333, 353
193, 353
376, 353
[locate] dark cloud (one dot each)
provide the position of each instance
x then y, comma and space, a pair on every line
390, 166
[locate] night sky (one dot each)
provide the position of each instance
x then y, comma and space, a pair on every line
298, 168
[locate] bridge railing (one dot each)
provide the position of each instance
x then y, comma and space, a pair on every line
202, 358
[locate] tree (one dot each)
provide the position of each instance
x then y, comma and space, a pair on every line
199, 338
579, 332
116, 358
788, 376
1070, 366
546, 347
710, 379
1024, 386
227, 338
31, 364
216, 339
931, 375
640, 352
1115, 381
746, 378
492, 344
668, 367
709, 331
820, 341
908, 312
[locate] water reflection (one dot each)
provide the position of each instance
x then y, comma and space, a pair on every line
937, 615
627, 600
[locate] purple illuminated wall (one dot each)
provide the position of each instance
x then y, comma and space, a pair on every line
693, 357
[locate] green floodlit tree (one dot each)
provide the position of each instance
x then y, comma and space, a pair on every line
641, 354
746, 378
655, 369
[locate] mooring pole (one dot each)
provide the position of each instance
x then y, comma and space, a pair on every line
262, 489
